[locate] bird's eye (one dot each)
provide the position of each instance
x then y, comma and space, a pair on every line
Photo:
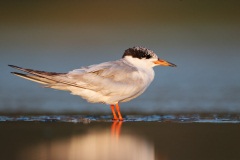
148, 56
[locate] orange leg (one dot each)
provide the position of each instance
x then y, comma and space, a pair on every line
119, 113
113, 112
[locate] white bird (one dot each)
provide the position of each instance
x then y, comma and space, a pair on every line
109, 82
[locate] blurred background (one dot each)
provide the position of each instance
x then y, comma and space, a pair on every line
201, 37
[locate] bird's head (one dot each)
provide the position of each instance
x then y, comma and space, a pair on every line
141, 56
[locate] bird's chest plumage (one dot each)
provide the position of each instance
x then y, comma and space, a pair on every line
143, 78
146, 75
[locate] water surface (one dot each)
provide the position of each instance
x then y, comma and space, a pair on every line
154, 137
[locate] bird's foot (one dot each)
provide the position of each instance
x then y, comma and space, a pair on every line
115, 119
118, 119
121, 119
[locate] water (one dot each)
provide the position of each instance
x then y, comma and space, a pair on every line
155, 137
178, 118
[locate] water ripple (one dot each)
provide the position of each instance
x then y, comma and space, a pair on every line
182, 118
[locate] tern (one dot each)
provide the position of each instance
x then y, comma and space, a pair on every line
110, 82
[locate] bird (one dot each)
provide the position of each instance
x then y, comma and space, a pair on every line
111, 82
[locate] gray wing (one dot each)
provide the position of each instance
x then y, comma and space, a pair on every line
107, 78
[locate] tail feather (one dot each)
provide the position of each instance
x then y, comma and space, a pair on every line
42, 77
34, 78
36, 72
49, 79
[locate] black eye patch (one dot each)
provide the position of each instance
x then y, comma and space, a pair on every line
148, 56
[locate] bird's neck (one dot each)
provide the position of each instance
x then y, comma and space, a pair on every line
144, 68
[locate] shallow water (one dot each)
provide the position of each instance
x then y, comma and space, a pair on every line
159, 137
177, 118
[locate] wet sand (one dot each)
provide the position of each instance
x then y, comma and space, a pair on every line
36, 140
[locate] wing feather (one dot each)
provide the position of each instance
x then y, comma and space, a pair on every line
106, 77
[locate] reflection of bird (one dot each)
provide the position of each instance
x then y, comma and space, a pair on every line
116, 129
109, 82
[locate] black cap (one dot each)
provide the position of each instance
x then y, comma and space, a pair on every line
139, 52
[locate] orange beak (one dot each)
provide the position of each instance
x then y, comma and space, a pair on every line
164, 63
